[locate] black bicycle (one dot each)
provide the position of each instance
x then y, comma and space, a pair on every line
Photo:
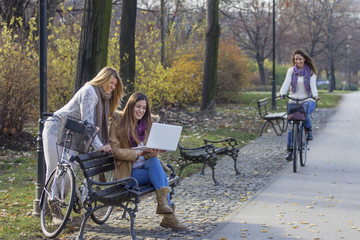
297, 116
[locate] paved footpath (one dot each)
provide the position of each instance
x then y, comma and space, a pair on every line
320, 201
204, 206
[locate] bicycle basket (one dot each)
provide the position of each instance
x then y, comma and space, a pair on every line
76, 134
296, 112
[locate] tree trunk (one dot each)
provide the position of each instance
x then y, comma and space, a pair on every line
211, 56
127, 46
260, 63
94, 40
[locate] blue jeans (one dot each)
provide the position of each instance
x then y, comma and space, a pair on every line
307, 123
151, 172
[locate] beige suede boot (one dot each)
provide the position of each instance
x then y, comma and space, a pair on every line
162, 201
171, 221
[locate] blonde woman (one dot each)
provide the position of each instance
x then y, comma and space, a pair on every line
95, 102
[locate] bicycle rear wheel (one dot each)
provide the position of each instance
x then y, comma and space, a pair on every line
295, 145
101, 215
304, 147
58, 200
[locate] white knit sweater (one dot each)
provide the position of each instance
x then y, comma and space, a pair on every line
81, 106
300, 88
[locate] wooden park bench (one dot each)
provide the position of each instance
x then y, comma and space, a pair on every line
208, 155
277, 120
124, 193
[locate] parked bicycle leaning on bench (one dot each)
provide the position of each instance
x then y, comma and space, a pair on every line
65, 189
301, 79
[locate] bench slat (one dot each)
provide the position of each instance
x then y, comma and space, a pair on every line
276, 115
88, 173
97, 162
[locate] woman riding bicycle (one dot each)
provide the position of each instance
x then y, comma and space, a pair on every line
301, 78
95, 102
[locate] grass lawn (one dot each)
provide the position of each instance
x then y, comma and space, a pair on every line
18, 170
17, 192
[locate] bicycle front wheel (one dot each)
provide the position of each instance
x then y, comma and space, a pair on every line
58, 200
304, 147
295, 145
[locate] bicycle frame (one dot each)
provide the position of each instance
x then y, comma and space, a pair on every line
298, 138
65, 190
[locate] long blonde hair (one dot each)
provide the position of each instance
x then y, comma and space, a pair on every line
103, 78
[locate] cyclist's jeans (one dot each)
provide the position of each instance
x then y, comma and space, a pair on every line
307, 123
151, 172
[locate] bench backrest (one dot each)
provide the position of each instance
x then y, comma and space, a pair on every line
262, 107
94, 163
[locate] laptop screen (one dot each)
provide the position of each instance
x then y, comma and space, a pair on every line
163, 137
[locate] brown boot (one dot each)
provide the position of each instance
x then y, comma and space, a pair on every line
162, 200
171, 221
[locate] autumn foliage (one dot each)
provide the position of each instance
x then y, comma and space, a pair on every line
18, 81
233, 70
176, 82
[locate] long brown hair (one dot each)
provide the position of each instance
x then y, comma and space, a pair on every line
128, 121
103, 78
308, 60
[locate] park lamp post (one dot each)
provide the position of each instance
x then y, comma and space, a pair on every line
273, 105
332, 75
43, 105
348, 55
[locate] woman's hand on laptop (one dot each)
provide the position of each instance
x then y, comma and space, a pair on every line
149, 153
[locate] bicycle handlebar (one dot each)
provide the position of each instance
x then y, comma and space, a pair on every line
295, 99
47, 114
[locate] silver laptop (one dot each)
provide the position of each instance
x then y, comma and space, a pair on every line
162, 137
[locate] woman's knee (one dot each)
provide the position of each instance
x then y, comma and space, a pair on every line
312, 106
153, 161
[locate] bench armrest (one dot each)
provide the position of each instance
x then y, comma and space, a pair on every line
172, 169
208, 148
128, 182
232, 142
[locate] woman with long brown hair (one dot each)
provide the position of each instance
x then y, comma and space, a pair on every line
301, 79
130, 128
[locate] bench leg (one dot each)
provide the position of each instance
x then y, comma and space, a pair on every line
234, 157
213, 175
181, 169
284, 125
82, 228
264, 126
281, 125
131, 215
203, 169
